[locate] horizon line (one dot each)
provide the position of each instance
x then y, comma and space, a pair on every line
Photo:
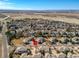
41, 10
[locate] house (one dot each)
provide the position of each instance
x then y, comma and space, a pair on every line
20, 50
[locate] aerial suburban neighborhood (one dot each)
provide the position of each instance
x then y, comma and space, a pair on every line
39, 29
36, 37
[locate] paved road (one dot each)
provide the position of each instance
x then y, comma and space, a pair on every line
4, 41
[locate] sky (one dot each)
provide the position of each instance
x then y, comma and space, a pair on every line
40, 4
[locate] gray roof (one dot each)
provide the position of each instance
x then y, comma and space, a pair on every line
62, 55
20, 49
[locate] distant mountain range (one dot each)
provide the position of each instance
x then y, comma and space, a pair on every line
39, 11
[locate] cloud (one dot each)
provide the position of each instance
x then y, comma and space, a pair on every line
5, 4
4, 0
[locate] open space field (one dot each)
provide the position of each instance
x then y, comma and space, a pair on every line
64, 17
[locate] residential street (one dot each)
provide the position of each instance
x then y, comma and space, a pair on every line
4, 41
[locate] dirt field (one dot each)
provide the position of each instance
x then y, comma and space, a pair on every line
64, 17
17, 42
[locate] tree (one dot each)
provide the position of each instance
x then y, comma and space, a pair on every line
9, 36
